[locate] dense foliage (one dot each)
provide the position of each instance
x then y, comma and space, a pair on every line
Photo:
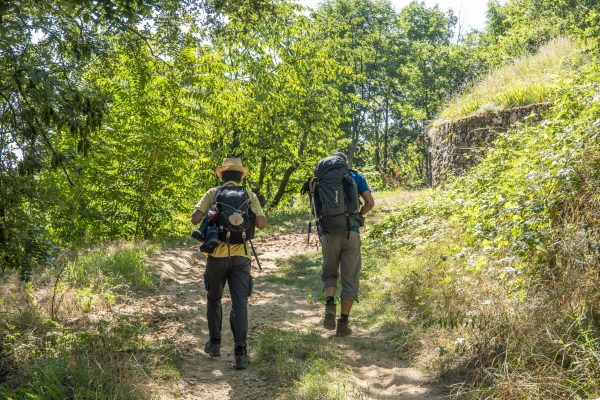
115, 116
502, 264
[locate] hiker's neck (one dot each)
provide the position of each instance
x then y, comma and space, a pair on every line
232, 183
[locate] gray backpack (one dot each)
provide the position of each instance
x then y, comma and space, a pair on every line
335, 195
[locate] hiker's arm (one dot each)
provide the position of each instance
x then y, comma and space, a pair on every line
369, 202
197, 217
261, 221
201, 209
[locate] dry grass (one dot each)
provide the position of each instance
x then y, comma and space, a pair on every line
390, 201
55, 352
527, 80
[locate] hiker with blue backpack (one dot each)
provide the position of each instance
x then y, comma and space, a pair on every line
335, 193
229, 213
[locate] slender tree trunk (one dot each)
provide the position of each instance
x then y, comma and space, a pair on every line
262, 172
258, 190
386, 135
354, 136
290, 170
284, 182
3, 236
377, 155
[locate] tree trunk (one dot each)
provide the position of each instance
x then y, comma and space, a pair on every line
261, 180
354, 136
386, 135
290, 170
350, 154
3, 235
263, 172
284, 182
377, 155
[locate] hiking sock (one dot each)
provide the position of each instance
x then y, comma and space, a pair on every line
329, 300
344, 317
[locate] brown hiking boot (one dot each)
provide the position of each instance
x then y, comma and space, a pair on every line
329, 320
343, 328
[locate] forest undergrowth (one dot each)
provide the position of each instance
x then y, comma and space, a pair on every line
496, 274
60, 340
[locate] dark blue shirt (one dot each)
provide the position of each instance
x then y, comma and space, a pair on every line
361, 182
362, 185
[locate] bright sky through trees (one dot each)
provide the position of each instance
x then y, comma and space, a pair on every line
471, 12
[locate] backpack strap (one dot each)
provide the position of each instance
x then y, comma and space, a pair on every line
228, 244
244, 232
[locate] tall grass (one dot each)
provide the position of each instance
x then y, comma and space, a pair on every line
496, 276
527, 80
113, 265
47, 351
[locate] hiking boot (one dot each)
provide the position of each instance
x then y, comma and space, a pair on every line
241, 362
212, 349
241, 359
343, 328
329, 320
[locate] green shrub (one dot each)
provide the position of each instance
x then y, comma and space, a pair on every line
499, 269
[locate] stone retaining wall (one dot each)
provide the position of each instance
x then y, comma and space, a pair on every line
457, 146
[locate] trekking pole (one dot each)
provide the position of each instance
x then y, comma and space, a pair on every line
311, 190
255, 255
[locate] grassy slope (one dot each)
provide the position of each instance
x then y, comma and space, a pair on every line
67, 356
495, 276
527, 80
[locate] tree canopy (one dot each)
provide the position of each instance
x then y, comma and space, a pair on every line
113, 115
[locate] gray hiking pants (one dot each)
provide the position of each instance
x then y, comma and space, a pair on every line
341, 256
236, 271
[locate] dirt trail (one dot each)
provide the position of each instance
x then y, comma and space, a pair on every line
176, 311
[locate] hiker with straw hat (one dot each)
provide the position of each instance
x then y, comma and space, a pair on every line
232, 164
234, 212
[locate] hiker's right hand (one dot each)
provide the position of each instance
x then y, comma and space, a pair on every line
261, 221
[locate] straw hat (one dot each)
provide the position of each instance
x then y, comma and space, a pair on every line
232, 164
